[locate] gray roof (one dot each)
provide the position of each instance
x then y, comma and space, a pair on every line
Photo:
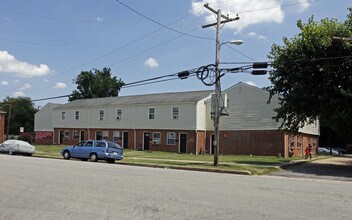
159, 98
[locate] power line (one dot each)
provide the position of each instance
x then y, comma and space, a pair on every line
59, 18
160, 24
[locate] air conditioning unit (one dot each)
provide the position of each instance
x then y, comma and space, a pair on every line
118, 117
156, 142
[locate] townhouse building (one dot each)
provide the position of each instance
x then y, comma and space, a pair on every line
178, 122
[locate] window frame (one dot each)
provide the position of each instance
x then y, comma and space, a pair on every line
66, 134
175, 114
76, 115
118, 114
63, 116
103, 133
168, 138
75, 135
101, 114
116, 138
157, 141
151, 115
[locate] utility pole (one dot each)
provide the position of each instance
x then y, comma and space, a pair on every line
8, 122
217, 114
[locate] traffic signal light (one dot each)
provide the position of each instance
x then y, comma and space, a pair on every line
259, 68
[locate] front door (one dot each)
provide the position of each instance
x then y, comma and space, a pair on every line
98, 135
183, 143
81, 136
61, 136
146, 141
125, 139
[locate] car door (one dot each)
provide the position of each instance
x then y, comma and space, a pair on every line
77, 149
87, 149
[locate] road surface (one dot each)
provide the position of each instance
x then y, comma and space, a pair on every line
39, 188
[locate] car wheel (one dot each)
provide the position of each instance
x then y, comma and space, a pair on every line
11, 152
110, 160
67, 155
93, 158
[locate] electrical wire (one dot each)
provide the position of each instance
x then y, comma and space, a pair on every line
160, 24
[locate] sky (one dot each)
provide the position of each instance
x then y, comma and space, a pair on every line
44, 45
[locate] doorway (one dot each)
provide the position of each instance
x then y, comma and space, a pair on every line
81, 136
146, 137
61, 136
183, 143
125, 139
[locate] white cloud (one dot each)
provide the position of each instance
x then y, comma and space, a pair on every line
25, 86
60, 85
45, 80
100, 19
151, 62
4, 83
16, 94
251, 12
251, 83
303, 5
17, 81
9, 64
257, 36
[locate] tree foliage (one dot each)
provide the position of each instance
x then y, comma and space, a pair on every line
96, 84
22, 114
312, 75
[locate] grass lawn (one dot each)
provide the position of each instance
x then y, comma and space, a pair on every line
255, 164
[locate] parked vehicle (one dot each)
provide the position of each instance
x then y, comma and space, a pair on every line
17, 147
94, 150
340, 150
327, 151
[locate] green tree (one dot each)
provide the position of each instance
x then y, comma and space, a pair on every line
312, 75
22, 114
96, 84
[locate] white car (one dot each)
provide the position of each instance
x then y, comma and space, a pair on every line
326, 151
17, 147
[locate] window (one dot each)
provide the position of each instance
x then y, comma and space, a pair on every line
66, 134
76, 115
101, 115
171, 138
75, 135
118, 114
116, 137
151, 112
175, 112
63, 115
105, 135
156, 137
299, 142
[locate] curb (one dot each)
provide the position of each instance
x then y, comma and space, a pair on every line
240, 172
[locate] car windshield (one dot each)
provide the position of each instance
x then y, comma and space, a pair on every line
114, 145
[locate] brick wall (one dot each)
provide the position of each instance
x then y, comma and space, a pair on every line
268, 143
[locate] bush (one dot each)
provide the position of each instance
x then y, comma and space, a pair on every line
26, 136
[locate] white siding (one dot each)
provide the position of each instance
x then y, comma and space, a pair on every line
135, 116
311, 128
202, 114
248, 110
43, 118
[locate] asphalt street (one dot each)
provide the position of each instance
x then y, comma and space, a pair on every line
39, 188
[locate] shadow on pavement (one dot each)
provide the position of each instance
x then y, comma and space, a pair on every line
317, 169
